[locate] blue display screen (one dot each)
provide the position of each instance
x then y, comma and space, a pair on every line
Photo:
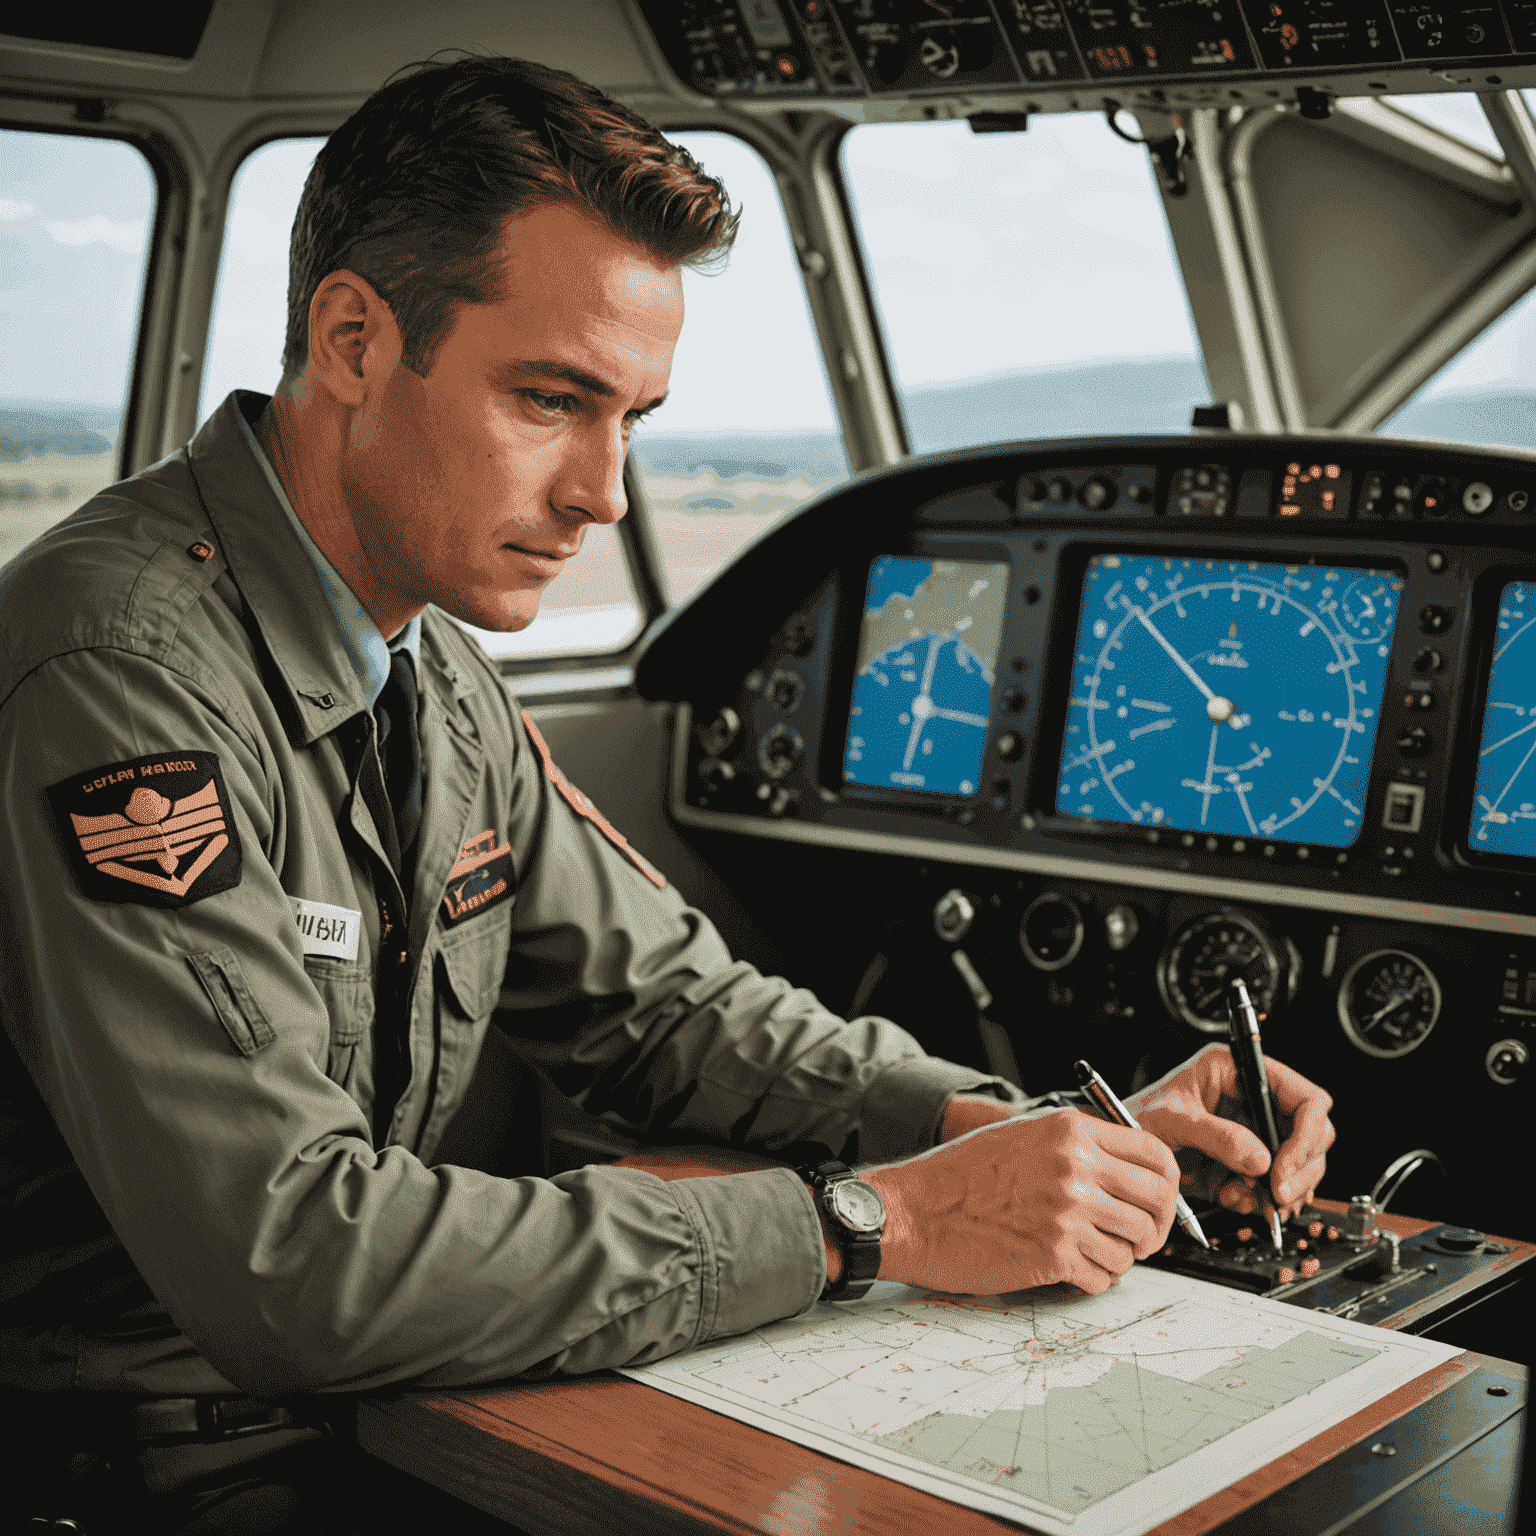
1504, 798
1227, 697
928, 644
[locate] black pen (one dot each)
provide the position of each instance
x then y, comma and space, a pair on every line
1248, 1058
1104, 1096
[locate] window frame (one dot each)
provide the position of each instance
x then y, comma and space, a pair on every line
161, 269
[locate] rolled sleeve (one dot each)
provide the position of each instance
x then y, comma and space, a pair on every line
903, 1108
755, 1255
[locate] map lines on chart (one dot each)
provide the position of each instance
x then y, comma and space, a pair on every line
1071, 1413
1504, 810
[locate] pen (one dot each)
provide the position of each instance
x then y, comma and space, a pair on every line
1248, 1058
1104, 1096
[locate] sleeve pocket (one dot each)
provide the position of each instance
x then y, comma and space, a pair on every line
234, 1002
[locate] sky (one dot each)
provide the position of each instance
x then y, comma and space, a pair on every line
75, 215
989, 253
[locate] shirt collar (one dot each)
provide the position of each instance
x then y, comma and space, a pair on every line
366, 647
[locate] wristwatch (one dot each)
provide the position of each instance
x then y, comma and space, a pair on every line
857, 1218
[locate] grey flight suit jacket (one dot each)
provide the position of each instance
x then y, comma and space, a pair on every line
206, 964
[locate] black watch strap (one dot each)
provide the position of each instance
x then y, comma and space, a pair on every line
860, 1250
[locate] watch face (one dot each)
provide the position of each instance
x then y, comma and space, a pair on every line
858, 1206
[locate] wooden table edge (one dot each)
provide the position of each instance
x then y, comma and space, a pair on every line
502, 1415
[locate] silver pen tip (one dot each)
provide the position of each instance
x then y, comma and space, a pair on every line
1274, 1230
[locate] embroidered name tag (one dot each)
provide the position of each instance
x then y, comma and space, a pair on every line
481, 878
327, 930
579, 803
155, 830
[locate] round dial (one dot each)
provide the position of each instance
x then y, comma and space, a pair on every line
1388, 1003
1227, 697
1208, 953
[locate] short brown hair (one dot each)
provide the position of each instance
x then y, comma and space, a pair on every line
412, 190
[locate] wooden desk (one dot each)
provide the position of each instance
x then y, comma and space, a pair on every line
607, 1456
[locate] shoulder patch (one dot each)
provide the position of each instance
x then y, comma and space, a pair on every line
579, 803
155, 830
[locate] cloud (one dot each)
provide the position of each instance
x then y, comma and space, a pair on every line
14, 212
127, 237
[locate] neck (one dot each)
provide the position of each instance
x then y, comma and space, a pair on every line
305, 441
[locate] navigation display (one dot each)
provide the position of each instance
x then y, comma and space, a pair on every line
1504, 797
1225, 696
928, 644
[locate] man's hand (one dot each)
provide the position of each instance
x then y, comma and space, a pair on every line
1027, 1202
1180, 1110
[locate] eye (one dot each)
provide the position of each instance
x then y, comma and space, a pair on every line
555, 404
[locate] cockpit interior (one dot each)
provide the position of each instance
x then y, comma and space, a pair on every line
1088, 551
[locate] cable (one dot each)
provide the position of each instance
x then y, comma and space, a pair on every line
1392, 1180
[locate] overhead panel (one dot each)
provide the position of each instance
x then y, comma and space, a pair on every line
1169, 53
348, 47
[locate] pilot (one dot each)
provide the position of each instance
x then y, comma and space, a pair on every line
278, 842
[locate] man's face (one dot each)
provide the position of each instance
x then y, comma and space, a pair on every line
471, 487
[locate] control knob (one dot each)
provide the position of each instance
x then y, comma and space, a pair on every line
953, 915
720, 733
1051, 931
1506, 1060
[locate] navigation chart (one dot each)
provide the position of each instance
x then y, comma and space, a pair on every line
928, 648
1225, 696
1504, 805
1095, 1415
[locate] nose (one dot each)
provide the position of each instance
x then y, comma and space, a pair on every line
591, 481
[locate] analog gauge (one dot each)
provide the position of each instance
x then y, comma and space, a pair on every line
1208, 953
1388, 1003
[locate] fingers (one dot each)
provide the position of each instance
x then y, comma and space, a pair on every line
1302, 1160
1102, 1260
1134, 1146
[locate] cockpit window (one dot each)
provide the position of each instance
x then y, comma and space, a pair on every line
76, 216
1485, 394
748, 432
1454, 112
1026, 282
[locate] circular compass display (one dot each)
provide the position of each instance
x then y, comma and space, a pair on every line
1504, 803
1224, 696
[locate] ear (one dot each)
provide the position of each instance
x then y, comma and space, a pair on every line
354, 343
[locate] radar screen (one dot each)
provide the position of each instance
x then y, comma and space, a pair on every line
1229, 697
928, 646
1504, 803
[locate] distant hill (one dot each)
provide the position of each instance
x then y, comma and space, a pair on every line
1149, 395
31, 428
1154, 394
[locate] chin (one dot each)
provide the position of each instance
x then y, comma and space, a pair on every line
498, 617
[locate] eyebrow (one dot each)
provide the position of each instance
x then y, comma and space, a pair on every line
548, 368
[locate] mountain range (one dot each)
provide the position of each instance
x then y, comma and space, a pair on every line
1152, 395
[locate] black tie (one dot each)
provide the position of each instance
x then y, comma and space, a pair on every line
400, 753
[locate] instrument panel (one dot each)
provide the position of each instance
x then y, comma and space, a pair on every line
1265, 700
872, 48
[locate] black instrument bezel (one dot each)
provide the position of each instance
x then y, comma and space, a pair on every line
1461, 785
1071, 571
853, 585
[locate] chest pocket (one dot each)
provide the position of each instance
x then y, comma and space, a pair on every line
346, 989
472, 969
